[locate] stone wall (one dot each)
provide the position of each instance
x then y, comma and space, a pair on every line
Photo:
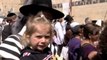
94, 11
10, 5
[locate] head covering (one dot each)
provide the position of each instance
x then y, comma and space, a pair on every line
68, 18
73, 24
40, 5
99, 23
76, 29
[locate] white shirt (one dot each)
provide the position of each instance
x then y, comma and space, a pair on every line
73, 24
60, 33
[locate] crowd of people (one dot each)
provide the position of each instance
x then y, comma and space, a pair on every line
40, 32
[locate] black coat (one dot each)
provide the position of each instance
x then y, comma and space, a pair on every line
6, 32
29, 54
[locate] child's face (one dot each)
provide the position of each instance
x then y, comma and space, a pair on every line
41, 38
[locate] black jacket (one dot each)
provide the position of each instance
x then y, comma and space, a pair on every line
29, 54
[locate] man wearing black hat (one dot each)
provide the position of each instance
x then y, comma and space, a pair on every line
12, 47
11, 18
40, 5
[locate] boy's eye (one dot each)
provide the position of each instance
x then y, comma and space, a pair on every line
39, 37
47, 37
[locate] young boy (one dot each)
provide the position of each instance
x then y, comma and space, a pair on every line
36, 38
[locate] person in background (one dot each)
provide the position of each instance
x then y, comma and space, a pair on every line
11, 18
87, 20
33, 8
88, 49
37, 39
68, 35
103, 44
60, 31
74, 43
102, 50
70, 21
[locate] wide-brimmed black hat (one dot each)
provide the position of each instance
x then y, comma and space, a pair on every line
41, 5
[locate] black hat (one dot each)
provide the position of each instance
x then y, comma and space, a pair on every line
69, 18
40, 5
